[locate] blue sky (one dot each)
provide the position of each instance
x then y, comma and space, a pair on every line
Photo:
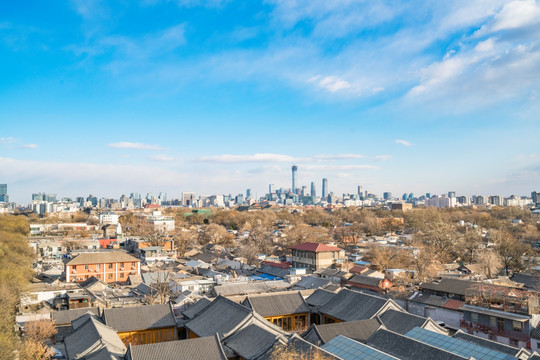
217, 96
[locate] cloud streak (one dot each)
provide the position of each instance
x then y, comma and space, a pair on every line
403, 142
134, 146
276, 158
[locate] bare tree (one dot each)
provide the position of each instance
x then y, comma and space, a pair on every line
490, 262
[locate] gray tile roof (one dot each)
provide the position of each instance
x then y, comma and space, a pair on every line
486, 343
194, 309
272, 270
205, 348
221, 316
348, 305
365, 280
529, 280
406, 348
65, 317
102, 257
401, 322
311, 282
140, 317
250, 287
277, 304
82, 319
299, 346
320, 297
94, 340
252, 340
359, 330
448, 285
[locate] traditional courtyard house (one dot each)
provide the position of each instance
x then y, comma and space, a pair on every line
142, 324
91, 339
62, 320
289, 311
316, 300
369, 283
109, 267
314, 256
244, 333
403, 322
360, 330
446, 287
219, 317
206, 348
349, 305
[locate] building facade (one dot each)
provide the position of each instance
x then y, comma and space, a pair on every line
109, 267
314, 256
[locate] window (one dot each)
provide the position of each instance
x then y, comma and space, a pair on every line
85, 267
97, 267
493, 321
110, 266
474, 317
110, 276
514, 342
516, 325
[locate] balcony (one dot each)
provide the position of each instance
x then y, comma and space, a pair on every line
487, 329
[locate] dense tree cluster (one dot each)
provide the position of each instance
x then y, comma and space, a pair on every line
434, 237
15, 273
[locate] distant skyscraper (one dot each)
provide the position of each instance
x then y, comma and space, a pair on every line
271, 189
324, 187
534, 196
313, 190
387, 196
188, 198
3, 193
248, 193
294, 170
451, 194
360, 191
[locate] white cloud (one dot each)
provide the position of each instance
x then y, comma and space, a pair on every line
516, 14
228, 158
338, 157
135, 146
278, 158
29, 146
383, 157
330, 83
163, 158
7, 140
485, 45
351, 167
403, 142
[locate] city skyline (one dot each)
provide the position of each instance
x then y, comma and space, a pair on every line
220, 96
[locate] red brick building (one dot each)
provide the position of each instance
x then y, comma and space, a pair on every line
109, 267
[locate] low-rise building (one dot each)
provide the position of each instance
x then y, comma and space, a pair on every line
109, 267
314, 256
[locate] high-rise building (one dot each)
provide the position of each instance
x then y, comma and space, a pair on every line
324, 188
271, 189
534, 196
313, 190
451, 194
248, 193
294, 170
360, 191
4, 197
387, 196
188, 198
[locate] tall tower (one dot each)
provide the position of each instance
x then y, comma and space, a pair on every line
313, 190
294, 170
324, 187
